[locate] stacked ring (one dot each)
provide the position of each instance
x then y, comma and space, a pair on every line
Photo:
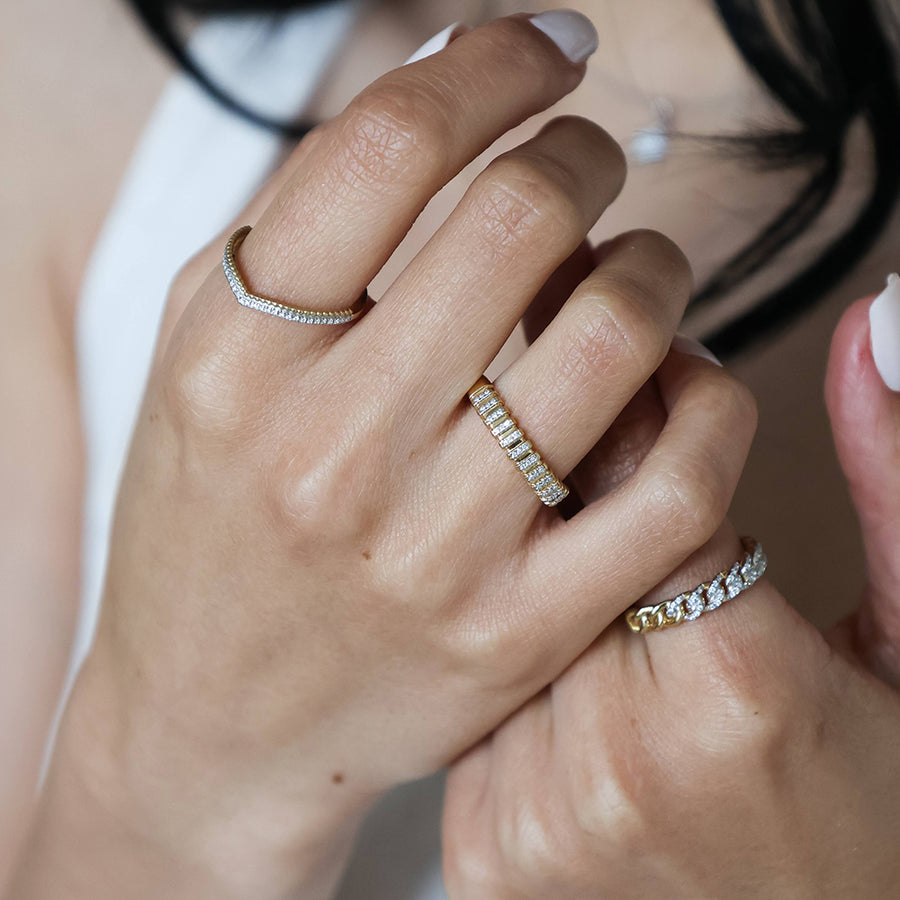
490, 406
706, 597
273, 307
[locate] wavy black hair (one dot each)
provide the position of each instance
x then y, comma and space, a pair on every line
830, 64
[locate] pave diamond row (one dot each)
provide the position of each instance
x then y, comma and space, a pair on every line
503, 426
710, 595
273, 307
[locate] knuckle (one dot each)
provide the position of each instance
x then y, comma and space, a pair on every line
610, 789
302, 491
740, 404
612, 817
754, 724
529, 841
489, 650
476, 650
654, 269
690, 498
726, 403
765, 700
469, 873
616, 319
397, 132
691, 490
202, 393
527, 199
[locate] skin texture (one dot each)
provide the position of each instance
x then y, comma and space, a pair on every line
442, 579
866, 443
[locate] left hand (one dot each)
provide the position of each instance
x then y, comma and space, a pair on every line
741, 755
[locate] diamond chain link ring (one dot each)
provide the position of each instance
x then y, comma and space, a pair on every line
708, 596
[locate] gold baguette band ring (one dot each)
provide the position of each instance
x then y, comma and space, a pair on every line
273, 307
708, 596
490, 406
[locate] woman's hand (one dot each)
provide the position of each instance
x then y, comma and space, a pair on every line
741, 755
326, 578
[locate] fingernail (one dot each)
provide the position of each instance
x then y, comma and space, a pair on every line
438, 42
884, 326
571, 31
681, 343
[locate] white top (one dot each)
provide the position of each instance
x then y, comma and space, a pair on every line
194, 168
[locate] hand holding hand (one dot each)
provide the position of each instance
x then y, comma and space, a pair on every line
741, 755
326, 577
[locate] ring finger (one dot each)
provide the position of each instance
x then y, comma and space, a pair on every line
609, 337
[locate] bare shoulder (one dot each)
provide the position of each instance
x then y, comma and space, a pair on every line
77, 81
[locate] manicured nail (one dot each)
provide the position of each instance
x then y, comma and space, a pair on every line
884, 326
684, 344
571, 31
438, 42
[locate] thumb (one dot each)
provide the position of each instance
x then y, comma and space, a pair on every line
862, 391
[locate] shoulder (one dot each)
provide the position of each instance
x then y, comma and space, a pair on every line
77, 81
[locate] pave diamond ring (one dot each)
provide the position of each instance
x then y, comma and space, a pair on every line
273, 307
711, 595
490, 406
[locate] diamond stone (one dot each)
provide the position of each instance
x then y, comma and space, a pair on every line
759, 562
536, 473
490, 418
510, 438
519, 450
500, 427
694, 604
554, 495
715, 593
734, 584
530, 460
481, 395
488, 405
673, 608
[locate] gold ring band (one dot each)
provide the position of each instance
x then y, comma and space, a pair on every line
706, 597
273, 307
490, 406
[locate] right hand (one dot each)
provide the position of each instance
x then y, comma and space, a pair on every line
325, 576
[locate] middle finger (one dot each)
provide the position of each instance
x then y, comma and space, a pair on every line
452, 308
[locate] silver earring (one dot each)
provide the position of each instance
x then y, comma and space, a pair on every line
650, 144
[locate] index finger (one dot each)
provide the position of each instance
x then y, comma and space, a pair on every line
373, 168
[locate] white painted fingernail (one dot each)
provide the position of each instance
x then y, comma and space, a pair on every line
438, 42
684, 344
884, 325
571, 31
